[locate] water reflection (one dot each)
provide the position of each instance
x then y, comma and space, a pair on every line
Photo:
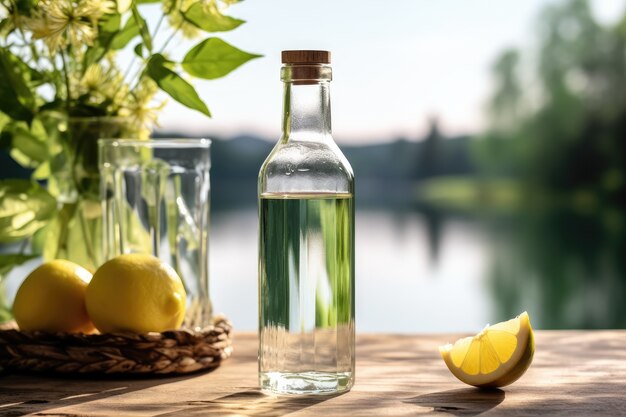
434, 220
567, 267
420, 269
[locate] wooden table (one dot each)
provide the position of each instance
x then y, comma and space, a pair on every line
573, 373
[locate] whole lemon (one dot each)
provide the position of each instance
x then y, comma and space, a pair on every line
137, 293
52, 298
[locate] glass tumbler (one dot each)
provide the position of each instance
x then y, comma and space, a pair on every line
155, 199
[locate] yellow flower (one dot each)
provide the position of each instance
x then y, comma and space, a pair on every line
93, 78
174, 10
63, 22
140, 109
102, 83
95, 9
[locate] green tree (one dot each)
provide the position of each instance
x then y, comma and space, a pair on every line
495, 153
430, 155
570, 140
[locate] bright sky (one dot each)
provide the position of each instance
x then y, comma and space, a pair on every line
395, 63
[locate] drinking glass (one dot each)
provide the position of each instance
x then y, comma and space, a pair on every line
155, 199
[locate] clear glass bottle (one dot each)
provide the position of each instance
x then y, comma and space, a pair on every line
306, 243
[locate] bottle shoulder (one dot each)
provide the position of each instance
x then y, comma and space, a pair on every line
306, 166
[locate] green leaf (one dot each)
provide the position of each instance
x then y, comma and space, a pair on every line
143, 28
108, 28
54, 105
5, 141
19, 157
10, 261
146, 1
214, 58
93, 54
42, 172
50, 240
139, 50
24, 6
6, 313
75, 234
6, 27
128, 32
40, 238
30, 145
174, 85
25, 207
27, 143
32, 77
17, 100
209, 18
4, 120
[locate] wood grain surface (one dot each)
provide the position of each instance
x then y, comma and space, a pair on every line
574, 373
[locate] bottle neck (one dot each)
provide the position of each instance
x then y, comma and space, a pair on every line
306, 111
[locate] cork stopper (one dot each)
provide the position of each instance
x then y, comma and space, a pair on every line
305, 57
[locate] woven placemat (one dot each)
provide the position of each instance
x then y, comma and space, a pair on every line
171, 352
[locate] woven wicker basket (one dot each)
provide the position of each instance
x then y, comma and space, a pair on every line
171, 352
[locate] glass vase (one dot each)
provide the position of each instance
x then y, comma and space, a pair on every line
75, 233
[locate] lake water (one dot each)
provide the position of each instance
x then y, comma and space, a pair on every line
425, 271
400, 287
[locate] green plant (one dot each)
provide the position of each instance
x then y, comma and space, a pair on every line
558, 126
58, 64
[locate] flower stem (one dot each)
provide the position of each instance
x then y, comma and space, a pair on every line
169, 39
55, 79
156, 31
139, 73
67, 83
130, 66
158, 26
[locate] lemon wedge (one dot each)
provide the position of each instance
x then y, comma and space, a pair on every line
495, 357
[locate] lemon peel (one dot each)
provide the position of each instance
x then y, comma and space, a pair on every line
137, 293
495, 357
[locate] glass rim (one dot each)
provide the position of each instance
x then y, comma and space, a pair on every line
202, 143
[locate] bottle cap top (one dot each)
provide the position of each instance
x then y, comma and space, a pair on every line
306, 57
